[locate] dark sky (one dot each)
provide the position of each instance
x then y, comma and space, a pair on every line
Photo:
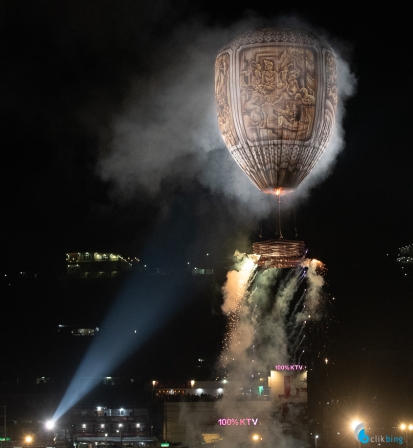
68, 69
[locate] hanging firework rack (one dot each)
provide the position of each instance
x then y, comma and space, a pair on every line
279, 253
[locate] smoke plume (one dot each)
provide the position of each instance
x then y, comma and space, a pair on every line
267, 314
167, 128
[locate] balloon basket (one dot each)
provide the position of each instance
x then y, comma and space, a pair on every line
279, 253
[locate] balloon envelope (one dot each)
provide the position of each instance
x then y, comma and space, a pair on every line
276, 98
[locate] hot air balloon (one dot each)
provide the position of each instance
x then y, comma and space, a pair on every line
276, 98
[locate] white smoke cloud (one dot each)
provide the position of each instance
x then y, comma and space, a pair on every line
266, 328
168, 129
238, 281
315, 285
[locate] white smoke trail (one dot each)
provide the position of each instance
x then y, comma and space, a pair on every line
240, 333
237, 282
269, 329
312, 305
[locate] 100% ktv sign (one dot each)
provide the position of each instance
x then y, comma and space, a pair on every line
236, 421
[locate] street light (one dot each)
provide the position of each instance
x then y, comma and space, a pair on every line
410, 429
404, 428
357, 425
315, 439
354, 424
28, 439
154, 383
120, 431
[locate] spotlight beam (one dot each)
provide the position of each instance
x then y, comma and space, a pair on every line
137, 315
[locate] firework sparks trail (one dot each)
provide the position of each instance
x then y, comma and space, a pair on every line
296, 341
268, 323
236, 289
266, 319
300, 300
302, 339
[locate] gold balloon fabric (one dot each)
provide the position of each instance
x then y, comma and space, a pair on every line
276, 98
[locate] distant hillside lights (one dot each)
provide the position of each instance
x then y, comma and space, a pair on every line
99, 265
76, 330
405, 255
95, 265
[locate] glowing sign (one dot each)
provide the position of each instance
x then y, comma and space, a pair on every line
236, 421
290, 367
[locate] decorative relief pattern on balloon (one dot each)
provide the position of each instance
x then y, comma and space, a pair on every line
266, 35
276, 95
331, 68
330, 103
278, 88
270, 162
222, 98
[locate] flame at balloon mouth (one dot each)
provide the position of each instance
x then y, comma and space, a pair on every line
278, 191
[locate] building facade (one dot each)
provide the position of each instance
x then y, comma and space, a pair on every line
89, 265
120, 427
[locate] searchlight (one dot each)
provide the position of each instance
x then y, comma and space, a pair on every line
50, 424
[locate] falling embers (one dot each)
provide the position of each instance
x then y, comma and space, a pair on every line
270, 314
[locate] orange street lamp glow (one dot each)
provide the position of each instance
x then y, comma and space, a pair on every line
354, 424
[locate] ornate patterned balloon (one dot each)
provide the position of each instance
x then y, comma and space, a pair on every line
276, 98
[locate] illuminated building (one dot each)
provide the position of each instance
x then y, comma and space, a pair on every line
288, 386
77, 330
101, 426
88, 265
204, 411
202, 271
211, 389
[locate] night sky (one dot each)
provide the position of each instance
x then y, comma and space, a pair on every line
70, 69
